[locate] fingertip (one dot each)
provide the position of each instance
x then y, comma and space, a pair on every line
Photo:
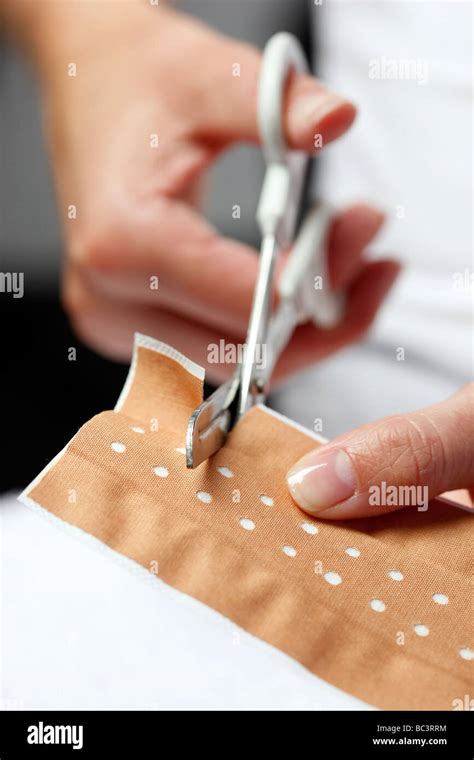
371, 287
315, 115
321, 479
386, 276
337, 120
351, 231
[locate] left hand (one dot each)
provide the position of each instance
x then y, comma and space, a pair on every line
395, 462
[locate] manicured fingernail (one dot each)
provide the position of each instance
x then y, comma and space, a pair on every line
316, 106
319, 481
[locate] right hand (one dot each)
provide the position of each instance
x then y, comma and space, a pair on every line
144, 71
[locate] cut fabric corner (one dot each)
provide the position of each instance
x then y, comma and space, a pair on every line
373, 606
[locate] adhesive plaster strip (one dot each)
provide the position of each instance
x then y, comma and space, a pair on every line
229, 535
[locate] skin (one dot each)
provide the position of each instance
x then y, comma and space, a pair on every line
144, 71
431, 449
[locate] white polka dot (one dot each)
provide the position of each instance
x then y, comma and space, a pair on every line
377, 605
421, 630
267, 500
440, 598
466, 653
247, 524
181, 451
309, 528
205, 497
395, 575
290, 551
137, 429
118, 447
225, 472
352, 551
333, 578
162, 472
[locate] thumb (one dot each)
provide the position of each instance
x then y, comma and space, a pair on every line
396, 462
314, 115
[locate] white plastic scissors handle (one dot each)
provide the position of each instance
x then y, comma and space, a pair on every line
304, 288
283, 183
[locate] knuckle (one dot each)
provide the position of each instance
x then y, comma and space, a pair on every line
401, 450
418, 449
402, 447
97, 244
427, 448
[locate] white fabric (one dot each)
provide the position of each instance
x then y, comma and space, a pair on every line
84, 628
410, 153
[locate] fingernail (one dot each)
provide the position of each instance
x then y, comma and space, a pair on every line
319, 481
315, 107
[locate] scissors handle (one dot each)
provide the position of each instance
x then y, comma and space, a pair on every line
305, 280
304, 288
283, 183
279, 199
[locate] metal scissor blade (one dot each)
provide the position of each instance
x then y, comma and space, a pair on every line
258, 324
210, 423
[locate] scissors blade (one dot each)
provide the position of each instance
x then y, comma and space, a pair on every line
252, 380
210, 423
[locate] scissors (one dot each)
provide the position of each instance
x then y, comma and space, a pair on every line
301, 298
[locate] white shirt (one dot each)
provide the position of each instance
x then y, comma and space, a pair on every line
410, 153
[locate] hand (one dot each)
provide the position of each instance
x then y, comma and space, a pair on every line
398, 461
144, 72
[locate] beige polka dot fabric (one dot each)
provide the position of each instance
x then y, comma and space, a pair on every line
381, 608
